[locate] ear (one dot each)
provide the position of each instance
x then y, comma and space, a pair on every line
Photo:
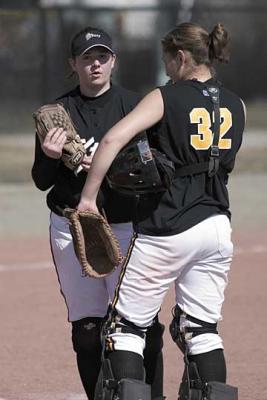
181, 57
113, 60
72, 64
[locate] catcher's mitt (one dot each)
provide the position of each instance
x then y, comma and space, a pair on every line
52, 116
95, 245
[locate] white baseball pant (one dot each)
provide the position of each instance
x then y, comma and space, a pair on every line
196, 261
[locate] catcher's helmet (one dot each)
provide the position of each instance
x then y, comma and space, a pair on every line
139, 169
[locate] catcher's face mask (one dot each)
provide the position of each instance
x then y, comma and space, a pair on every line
138, 169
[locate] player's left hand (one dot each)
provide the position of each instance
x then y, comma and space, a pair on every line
86, 163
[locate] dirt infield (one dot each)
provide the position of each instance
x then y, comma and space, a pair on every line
36, 358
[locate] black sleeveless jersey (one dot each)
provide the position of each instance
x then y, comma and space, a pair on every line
92, 117
185, 135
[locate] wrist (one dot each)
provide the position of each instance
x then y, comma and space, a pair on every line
55, 155
86, 200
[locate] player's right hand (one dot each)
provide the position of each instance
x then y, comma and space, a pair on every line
53, 143
85, 205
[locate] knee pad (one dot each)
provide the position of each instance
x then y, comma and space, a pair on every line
154, 337
180, 333
117, 324
86, 335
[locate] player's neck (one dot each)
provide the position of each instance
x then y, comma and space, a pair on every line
94, 91
201, 73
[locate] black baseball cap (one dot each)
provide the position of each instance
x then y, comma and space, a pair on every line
89, 38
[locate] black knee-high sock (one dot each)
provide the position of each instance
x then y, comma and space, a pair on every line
154, 373
87, 345
153, 359
89, 368
211, 366
126, 364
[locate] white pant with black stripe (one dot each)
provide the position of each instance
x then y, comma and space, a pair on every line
84, 296
196, 261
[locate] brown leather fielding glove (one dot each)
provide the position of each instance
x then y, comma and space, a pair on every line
95, 244
52, 116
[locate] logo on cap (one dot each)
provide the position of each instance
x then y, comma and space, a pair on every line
89, 35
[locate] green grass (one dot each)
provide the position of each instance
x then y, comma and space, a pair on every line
15, 164
17, 150
253, 161
256, 115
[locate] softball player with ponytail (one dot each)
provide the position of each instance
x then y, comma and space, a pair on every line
183, 235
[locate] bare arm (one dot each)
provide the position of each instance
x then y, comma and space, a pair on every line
245, 109
147, 113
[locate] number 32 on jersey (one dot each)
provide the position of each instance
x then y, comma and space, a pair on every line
203, 139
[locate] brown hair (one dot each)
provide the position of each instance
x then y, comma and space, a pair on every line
204, 47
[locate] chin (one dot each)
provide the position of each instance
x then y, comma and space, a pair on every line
97, 81
97, 84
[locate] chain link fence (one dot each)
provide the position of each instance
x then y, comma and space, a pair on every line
34, 49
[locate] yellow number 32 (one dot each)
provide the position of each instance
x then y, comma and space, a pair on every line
203, 139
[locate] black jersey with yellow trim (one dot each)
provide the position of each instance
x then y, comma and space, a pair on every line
92, 118
185, 135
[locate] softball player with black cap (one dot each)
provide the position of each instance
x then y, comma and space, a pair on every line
183, 235
95, 105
